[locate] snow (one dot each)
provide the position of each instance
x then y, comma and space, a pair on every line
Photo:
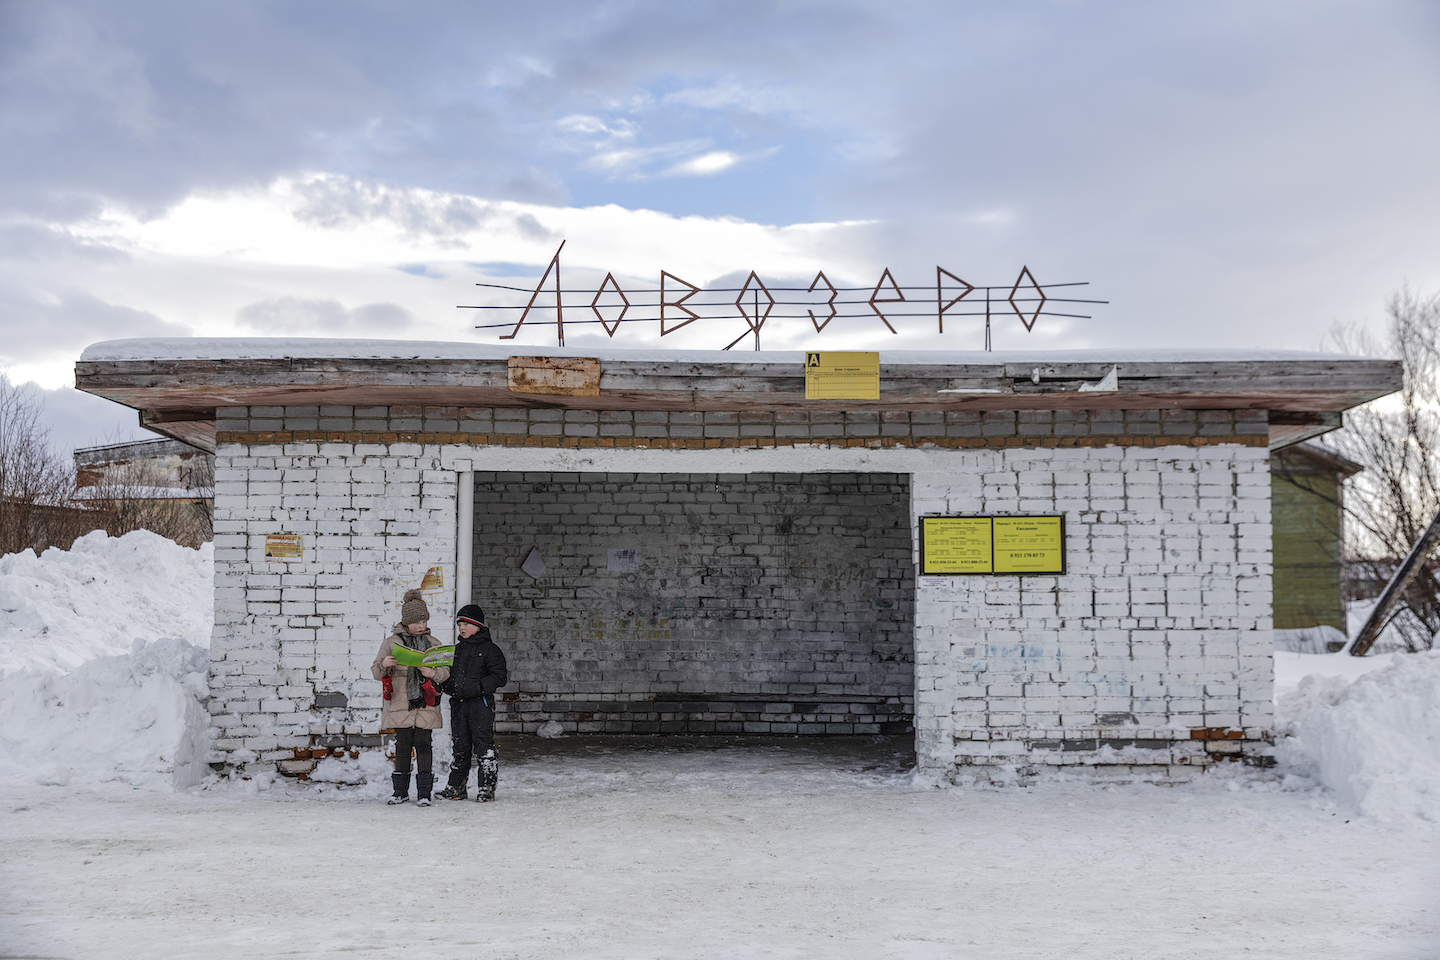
67, 607
284, 348
119, 843
761, 851
136, 720
1372, 739
1309, 639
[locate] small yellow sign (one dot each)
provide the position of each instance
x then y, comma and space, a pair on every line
434, 581
285, 547
1029, 545
842, 376
954, 545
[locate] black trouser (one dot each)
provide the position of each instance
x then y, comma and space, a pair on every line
418, 740
472, 732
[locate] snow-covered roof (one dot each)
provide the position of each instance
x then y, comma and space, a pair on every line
282, 348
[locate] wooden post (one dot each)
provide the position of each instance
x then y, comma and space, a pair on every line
1395, 589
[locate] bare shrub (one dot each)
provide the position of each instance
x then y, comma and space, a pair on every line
36, 486
1397, 440
142, 496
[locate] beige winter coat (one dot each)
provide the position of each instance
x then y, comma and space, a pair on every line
397, 712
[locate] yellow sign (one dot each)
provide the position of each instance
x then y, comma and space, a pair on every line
955, 545
1029, 545
434, 581
842, 376
285, 547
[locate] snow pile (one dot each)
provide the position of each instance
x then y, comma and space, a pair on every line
135, 719
1323, 639
103, 662
1374, 741
66, 607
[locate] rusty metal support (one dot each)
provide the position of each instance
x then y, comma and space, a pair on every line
1395, 590
676, 303
876, 298
1030, 320
610, 279
819, 277
940, 296
758, 319
559, 310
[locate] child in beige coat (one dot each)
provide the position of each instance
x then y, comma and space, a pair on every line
412, 700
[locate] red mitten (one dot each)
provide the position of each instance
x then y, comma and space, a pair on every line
387, 685
431, 696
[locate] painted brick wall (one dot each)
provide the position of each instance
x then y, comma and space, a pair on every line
1152, 654
762, 592
1154, 649
292, 638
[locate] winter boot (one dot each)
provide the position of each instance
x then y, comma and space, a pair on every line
453, 792
424, 783
489, 774
401, 783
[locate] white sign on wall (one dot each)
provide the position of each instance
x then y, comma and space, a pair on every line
622, 560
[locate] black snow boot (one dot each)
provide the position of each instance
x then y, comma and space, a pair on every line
453, 792
489, 774
401, 783
424, 783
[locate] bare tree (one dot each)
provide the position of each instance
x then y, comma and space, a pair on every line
36, 486
142, 496
1397, 440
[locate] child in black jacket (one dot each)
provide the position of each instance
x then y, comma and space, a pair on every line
478, 671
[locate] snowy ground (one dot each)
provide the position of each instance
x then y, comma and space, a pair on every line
599, 848
772, 850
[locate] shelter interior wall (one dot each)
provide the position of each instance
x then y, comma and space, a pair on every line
763, 602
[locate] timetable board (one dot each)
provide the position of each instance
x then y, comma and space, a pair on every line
842, 376
992, 545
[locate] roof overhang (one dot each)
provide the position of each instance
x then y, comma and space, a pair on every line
177, 384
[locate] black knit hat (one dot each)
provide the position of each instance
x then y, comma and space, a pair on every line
471, 614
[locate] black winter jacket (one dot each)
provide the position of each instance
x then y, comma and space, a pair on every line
479, 668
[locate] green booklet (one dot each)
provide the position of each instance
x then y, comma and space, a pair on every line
434, 657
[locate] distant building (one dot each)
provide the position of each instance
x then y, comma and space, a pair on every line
162, 485
172, 470
1307, 513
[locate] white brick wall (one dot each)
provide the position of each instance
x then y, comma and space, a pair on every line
374, 518
1161, 627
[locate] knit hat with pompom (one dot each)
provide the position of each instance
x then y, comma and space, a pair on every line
413, 610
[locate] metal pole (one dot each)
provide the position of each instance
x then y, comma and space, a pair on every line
1395, 590
464, 533
987, 319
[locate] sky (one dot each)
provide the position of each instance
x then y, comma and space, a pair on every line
1221, 174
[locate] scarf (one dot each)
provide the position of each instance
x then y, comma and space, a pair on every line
415, 641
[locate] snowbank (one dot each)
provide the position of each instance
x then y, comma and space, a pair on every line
1375, 740
66, 607
135, 719
104, 662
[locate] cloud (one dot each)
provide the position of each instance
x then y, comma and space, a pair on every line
76, 419
41, 327
704, 165
296, 317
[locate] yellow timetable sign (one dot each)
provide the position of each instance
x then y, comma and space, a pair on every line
1029, 545
958, 545
842, 376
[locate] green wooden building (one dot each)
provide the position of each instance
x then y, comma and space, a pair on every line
1307, 495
